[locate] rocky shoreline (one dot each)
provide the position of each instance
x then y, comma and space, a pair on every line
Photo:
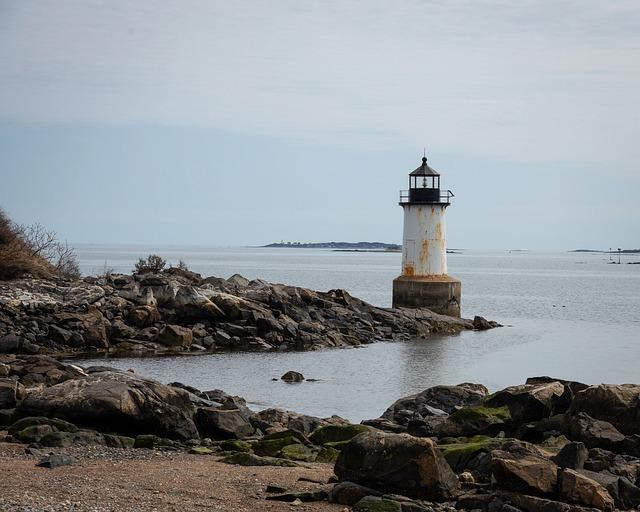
178, 311
548, 445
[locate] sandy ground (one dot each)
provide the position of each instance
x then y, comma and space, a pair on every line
145, 480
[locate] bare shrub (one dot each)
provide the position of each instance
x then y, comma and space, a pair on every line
34, 250
16, 256
182, 265
65, 260
152, 263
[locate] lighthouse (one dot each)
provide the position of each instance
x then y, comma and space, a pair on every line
424, 282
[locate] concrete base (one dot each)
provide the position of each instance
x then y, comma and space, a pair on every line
440, 294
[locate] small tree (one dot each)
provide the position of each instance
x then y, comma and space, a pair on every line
152, 263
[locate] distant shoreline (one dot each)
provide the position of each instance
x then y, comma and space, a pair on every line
623, 251
338, 245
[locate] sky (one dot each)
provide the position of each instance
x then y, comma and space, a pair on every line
247, 122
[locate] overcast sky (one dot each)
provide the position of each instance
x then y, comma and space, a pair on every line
239, 123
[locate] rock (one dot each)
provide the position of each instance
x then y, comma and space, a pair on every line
9, 343
118, 402
337, 433
625, 494
536, 504
594, 433
249, 459
92, 325
59, 335
581, 489
5, 370
190, 303
292, 376
235, 445
617, 404
474, 420
56, 460
466, 477
151, 441
200, 450
297, 451
10, 392
175, 336
528, 402
528, 473
375, 504
218, 423
481, 324
397, 463
617, 464
327, 454
143, 316
273, 444
466, 453
435, 401
348, 493
572, 456
275, 489
238, 280
305, 496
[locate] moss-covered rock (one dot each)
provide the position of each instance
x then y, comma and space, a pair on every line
57, 424
460, 453
235, 445
478, 419
151, 441
297, 451
200, 450
375, 504
337, 433
273, 447
327, 454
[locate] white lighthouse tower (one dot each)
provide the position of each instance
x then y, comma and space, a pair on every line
424, 281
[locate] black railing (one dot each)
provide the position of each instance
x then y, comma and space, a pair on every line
445, 197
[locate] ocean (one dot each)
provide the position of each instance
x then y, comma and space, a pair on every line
568, 315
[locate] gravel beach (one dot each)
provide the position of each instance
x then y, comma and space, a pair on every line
108, 479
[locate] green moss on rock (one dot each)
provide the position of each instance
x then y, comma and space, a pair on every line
337, 433
298, 452
480, 413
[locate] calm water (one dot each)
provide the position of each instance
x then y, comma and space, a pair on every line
570, 315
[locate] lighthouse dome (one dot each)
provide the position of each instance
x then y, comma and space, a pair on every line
424, 170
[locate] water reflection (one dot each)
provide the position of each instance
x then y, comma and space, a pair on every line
360, 383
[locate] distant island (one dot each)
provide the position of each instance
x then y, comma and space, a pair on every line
613, 251
367, 246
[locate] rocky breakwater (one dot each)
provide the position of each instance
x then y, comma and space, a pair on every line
180, 311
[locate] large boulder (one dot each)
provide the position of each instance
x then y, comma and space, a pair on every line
434, 401
190, 303
92, 326
523, 470
116, 402
175, 336
594, 433
617, 404
528, 402
581, 489
397, 463
219, 423
143, 316
572, 455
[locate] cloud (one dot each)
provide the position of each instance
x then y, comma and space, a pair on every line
524, 81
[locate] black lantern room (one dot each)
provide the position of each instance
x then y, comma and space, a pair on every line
424, 184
